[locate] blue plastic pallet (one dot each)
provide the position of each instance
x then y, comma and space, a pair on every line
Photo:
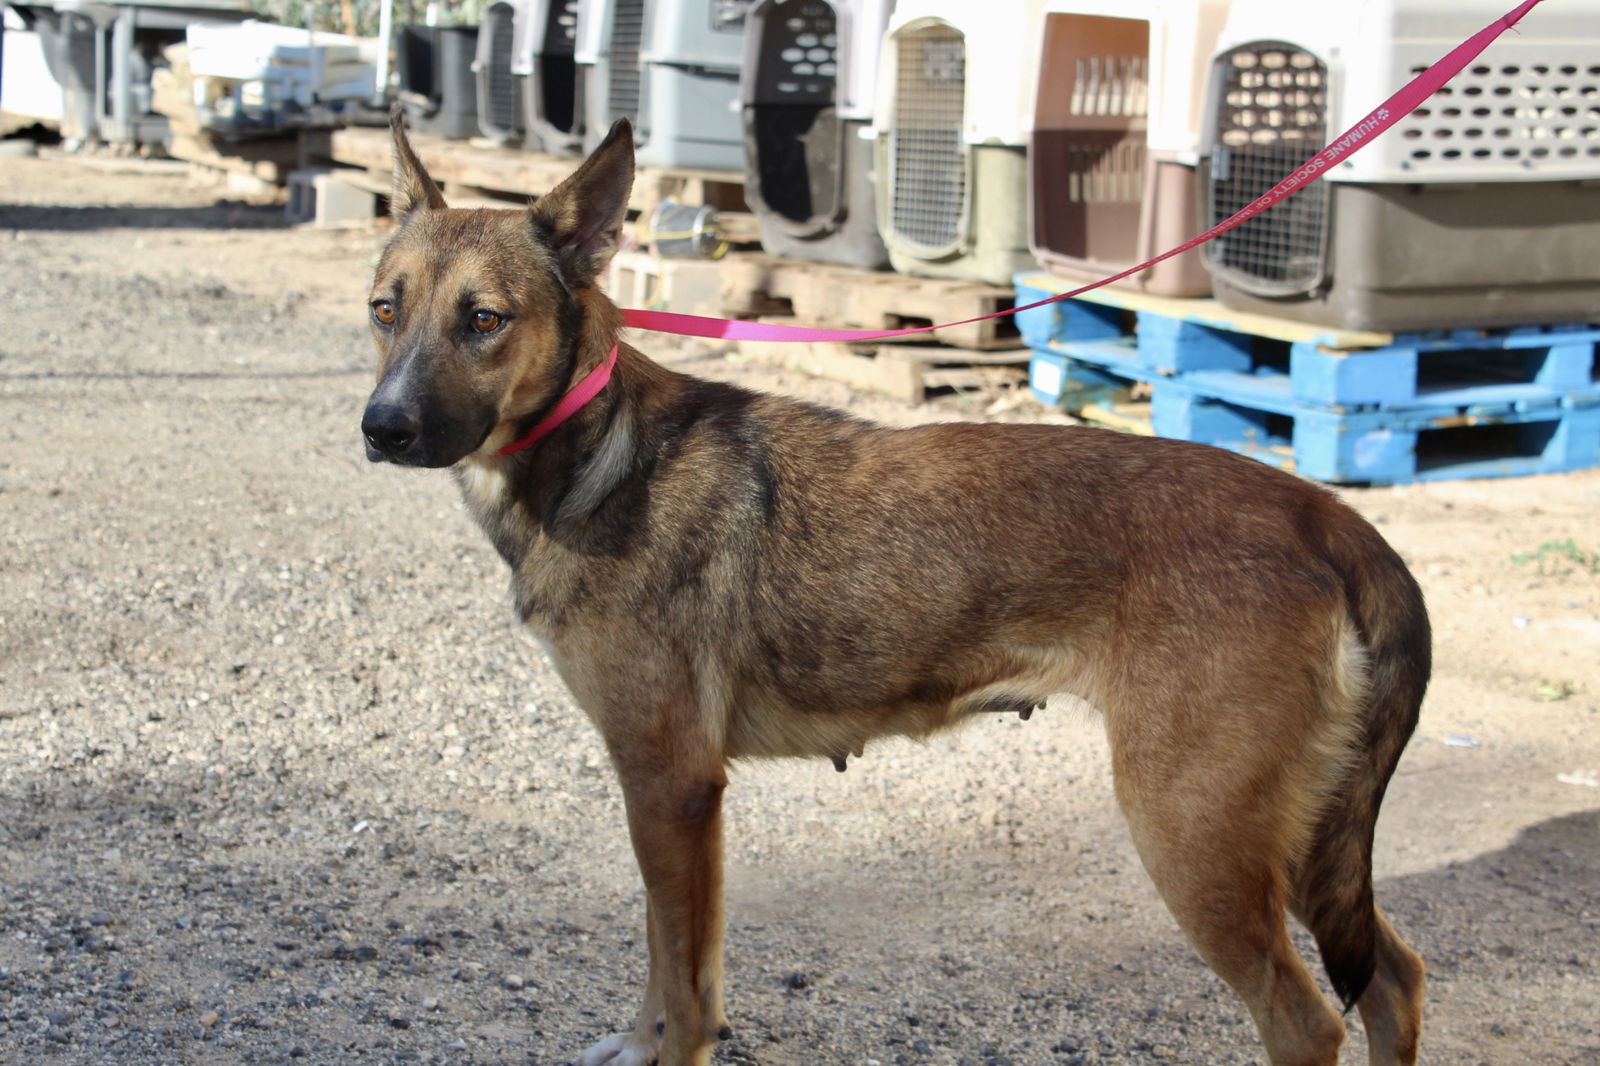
1347, 447
1146, 337
1492, 405
1386, 447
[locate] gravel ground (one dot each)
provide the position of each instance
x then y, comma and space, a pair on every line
281, 781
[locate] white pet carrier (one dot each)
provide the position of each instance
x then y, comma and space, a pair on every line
1116, 134
546, 70
807, 90
1481, 208
672, 67
499, 94
955, 97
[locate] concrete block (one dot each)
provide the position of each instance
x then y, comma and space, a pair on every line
322, 198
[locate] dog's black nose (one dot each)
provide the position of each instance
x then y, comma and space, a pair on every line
391, 431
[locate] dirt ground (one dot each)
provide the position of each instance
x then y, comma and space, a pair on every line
282, 782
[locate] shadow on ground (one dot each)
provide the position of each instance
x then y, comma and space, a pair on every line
223, 214
141, 902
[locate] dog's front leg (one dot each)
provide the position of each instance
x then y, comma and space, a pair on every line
642, 1045
674, 804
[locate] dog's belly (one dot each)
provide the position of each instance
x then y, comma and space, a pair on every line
765, 723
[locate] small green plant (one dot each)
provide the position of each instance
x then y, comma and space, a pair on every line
1557, 558
1550, 691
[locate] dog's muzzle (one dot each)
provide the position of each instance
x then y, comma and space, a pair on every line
422, 434
391, 432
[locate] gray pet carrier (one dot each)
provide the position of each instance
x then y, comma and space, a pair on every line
670, 66
807, 92
499, 92
546, 68
437, 86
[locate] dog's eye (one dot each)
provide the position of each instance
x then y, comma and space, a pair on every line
486, 321
383, 312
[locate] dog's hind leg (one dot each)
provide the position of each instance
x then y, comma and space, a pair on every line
1391, 1006
1210, 829
1367, 960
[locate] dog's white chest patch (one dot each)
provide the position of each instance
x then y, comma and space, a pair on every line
482, 485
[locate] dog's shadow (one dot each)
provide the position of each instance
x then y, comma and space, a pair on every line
1512, 943
1014, 958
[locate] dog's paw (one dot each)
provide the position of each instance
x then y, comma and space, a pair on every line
622, 1049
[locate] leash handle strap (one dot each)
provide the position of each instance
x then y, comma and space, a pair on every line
1386, 114
567, 406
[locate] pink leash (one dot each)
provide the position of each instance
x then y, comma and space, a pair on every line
1352, 140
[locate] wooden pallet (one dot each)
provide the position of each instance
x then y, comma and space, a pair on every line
903, 371
836, 297
1373, 447
482, 170
269, 161
644, 281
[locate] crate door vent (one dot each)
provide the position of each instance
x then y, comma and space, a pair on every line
927, 155
1271, 117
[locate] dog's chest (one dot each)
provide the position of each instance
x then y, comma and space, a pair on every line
484, 488
486, 491
544, 578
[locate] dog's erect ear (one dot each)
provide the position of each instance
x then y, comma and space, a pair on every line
581, 219
412, 186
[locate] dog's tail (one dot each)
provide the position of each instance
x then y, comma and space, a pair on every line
1333, 881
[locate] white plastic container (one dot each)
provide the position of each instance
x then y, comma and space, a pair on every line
1480, 208
952, 148
28, 91
1522, 111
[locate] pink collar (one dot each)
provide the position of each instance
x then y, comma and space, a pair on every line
569, 405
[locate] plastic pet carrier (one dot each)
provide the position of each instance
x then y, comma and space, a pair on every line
1481, 208
544, 63
70, 43
437, 87
807, 90
1116, 135
671, 66
606, 57
951, 152
499, 90
104, 56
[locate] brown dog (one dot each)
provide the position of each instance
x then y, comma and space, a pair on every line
720, 574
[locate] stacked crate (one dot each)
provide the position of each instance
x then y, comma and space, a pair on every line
1426, 310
